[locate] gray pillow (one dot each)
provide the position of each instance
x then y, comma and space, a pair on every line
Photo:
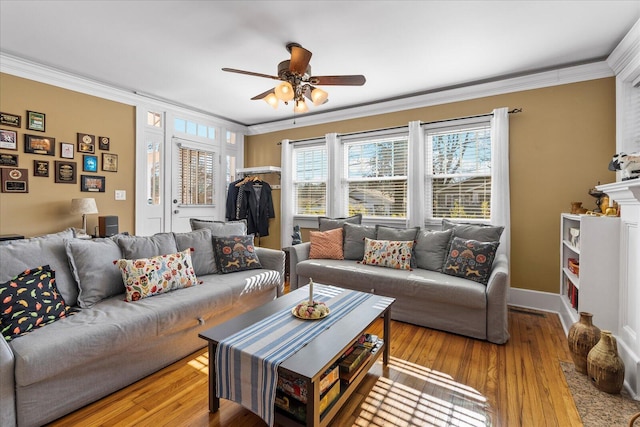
398, 234
135, 247
479, 232
220, 228
326, 224
203, 258
93, 269
431, 249
354, 235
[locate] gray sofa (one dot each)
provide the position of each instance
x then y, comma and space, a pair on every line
107, 343
424, 295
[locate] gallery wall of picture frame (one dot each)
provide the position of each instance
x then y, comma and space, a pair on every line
14, 179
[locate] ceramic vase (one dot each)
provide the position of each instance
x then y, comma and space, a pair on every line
604, 366
583, 335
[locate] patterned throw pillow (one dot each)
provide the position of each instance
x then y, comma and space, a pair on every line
146, 277
388, 253
28, 301
235, 253
326, 244
470, 259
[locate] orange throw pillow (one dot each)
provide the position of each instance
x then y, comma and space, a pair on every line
326, 244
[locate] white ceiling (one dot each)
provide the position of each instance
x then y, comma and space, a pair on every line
174, 50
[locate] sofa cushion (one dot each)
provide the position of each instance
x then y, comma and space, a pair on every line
388, 253
354, 236
479, 232
220, 228
325, 223
29, 301
235, 253
145, 277
134, 247
203, 257
91, 263
326, 244
470, 259
431, 249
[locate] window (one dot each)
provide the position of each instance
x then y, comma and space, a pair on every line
375, 174
193, 128
154, 119
458, 172
310, 180
196, 176
154, 172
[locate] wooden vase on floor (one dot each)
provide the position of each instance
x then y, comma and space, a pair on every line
604, 366
583, 335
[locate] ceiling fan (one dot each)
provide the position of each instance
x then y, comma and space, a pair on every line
297, 81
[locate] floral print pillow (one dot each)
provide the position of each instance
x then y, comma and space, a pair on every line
388, 253
470, 259
146, 277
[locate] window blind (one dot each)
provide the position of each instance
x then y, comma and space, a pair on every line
310, 180
196, 176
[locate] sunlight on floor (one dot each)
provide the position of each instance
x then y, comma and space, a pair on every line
200, 363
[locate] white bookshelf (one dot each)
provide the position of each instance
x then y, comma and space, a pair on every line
598, 253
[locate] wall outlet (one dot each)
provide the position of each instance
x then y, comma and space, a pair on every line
121, 195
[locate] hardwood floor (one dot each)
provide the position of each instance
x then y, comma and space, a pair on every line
434, 379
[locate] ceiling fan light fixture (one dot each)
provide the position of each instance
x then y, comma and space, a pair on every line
272, 100
284, 91
301, 106
319, 96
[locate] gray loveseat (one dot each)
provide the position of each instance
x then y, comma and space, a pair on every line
424, 295
106, 343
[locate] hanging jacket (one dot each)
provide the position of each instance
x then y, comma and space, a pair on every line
257, 207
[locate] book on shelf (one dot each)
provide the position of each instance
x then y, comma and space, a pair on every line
298, 410
297, 387
354, 359
348, 377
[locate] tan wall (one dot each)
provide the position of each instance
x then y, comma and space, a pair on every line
560, 147
45, 209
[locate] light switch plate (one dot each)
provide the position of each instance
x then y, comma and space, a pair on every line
121, 195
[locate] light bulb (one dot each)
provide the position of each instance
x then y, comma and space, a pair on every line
272, 100
301, 106
284, 91
318, 96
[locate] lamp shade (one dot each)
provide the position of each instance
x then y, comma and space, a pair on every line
301, 106
319, 96
284, 91
272, 100
84, 206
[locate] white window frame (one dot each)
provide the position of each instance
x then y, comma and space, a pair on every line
308, 146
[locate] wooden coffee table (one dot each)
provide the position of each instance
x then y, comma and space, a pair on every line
310, 362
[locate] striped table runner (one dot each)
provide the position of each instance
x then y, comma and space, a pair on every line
247, 362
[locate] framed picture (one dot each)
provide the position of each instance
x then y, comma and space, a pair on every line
86, 143
8, 119
14, 180
66, 150
8, 159
35, 121
8, 139
92, 183
104, 142
41, 168
89, 163
65, 172
39, 145
109, 162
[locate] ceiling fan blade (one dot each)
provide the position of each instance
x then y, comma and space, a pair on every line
263, 94
300, 58
250, 73
351, 80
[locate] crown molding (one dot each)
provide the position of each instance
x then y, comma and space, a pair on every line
574, 74
625, 58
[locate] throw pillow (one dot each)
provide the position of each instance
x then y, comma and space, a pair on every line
431, 249
479, 232
326, 244
135, 247
326, 224
28, 301
388, 253
146, 277
220, 228
391, 233
91, 263
354, 236
470, 259
235, 253
204, 260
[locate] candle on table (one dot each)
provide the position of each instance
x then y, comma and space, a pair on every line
310, 291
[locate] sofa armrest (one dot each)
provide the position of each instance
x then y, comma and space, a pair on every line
497, 292
7, 385
272, 259
297, 253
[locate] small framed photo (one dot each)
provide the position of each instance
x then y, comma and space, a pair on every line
14, 180
35, 121
65, 172
40, 145
41, 168
8, 159
86, 143
9, 119
109, 162
89, 163
92, 183
66, 150
8, 139
104, 142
